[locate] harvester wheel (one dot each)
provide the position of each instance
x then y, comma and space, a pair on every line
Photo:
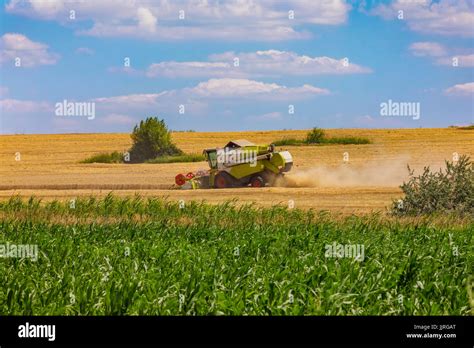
257, 181
220, 181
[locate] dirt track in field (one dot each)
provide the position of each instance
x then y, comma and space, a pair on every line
49, 167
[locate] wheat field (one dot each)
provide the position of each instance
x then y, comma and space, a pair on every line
48, 166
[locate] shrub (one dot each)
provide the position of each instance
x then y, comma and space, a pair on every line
448, 191
114, 157
178, 159
346, 140
288, 142
315, 136
151, 139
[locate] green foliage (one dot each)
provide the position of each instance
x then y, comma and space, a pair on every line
315, 136
451, 190
134, 256
114, 157
151, 139
346, 140
178, 159
288, 142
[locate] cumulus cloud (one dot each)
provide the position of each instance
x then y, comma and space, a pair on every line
235, 88
431, 49
212, 19
220, 88
191, 69
463, 90
137, 99
441, 55
146, 20
446, 17
31, 53
268, 63
211, 100
213, 90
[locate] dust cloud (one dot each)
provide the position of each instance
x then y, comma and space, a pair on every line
378, 173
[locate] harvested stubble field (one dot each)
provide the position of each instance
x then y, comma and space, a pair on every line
49, 167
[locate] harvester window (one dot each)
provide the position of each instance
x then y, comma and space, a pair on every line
212, 159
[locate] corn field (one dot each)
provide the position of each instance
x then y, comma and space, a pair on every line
136, 256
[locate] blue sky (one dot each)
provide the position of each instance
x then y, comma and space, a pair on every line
291, 55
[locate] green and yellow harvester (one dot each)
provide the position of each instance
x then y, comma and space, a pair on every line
240, 163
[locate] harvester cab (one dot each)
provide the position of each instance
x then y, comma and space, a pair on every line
240, 163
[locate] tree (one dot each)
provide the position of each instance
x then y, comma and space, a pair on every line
151, 139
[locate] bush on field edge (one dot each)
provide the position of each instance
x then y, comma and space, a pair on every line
448, 191
318, 136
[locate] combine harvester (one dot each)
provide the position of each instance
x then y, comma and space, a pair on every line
240, 163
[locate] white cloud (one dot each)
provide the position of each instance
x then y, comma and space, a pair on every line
216, 32
146, 20
235, 88
211, 19
199, 96
274, 62
45, 9
167, 103
23, 106
136, 99
191, 69
31, 53
257, 64
446, 17
431, 49
441, 55
463, 61
465, 90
